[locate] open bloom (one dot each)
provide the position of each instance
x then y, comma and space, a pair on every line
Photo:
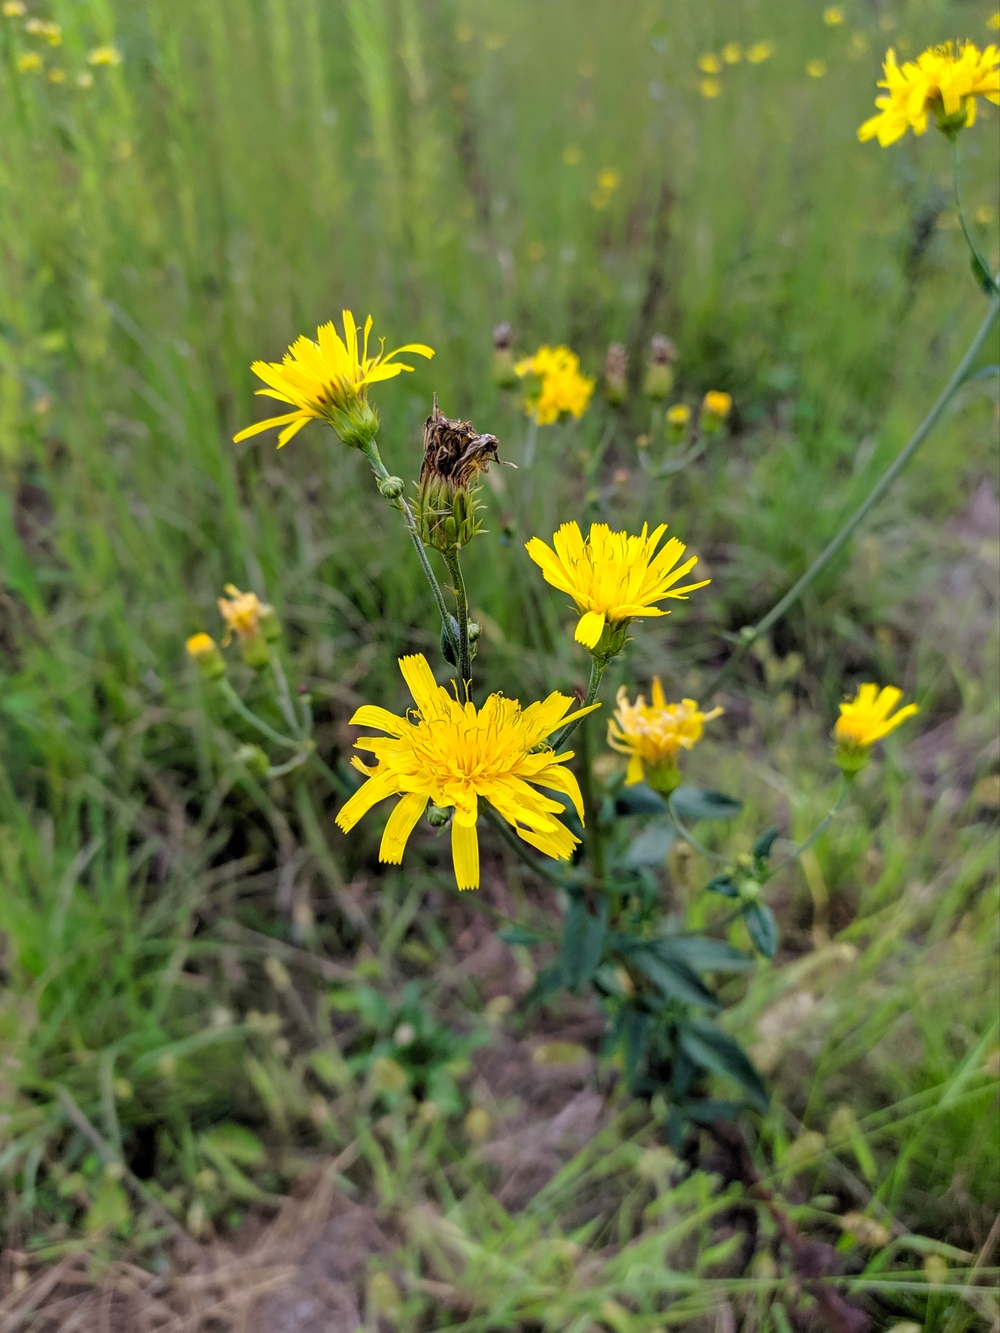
613, 577
562, 389
864, 720
716, 405
941, 80
652, 735
452, 754
242, 613
329, 379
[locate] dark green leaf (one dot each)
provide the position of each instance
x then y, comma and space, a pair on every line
639, 800
521, 935
548, 980
700, 803
724, 884
704, 1110
634, 1026
983, 276
583, 938
762, 847
762, 928
675, 979
704, 954
651, 846
716, 1051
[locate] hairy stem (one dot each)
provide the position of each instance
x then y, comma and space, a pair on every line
464, 658
598, 666
238, 706
751, 634
980, 266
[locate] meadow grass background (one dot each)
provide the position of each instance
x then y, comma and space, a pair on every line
245, 173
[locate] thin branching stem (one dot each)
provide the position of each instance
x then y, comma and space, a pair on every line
265, 729
464, 659
598, 666
751, 634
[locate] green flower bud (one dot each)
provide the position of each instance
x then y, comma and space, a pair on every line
437, 816
392, 487
253, 759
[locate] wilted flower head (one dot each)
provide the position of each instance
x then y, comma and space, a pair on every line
329, 379
943, 82
454, 455
613, 578
659, 373
652, 735
453, 755
615, 374
562, 389
866, 719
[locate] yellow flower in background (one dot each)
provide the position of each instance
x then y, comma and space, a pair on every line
652, 735
329, 380
732, 53
710, 87
994, 20
452, 754
759, 52
865, 719
833, 17
105, 55
710, 63
52, 32
608, 181
678, 415
717, 404
242, 613
941, 81
612, 577
57, 76
14, 9
30, 62
204, 652
562, 389
816, 68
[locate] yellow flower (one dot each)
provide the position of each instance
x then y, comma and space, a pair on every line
994, 20
563, 390
452, 754
652, 735
30, 62
833, 17
14, 9
759, 52
717, 404
105, 55
608, 179
678, 415
57, 76
204, 652
329, 380
940, 81
710, 63
612, 577
732, 53
710, 87
816, 68
864, 720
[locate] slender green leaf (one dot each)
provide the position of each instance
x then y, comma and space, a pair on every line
761, 849
712, 1049
724, 884
701, 803
639, 800
704, 954
583, 939
650, 848
675, 979
762, 928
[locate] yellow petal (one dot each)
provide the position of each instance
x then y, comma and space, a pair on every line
424, 688
401, 824
368, 794
590, 629
465, 854
371, 715
266, 425
634, 772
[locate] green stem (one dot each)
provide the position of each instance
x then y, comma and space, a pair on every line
689, 838
979, 264
751, 634
284, 693
464, 659
820, 828
678, 464
238, 706
371, 452
591, 830
598, 666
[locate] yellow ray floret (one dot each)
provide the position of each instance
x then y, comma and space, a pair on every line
652, 735
611, 576
943, 80
327, 379
866, 718
562, 389
452, 754
241, 613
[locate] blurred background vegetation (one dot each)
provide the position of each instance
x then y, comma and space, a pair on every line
172, 927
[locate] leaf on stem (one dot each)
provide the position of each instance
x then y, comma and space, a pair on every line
674, 978
762, 928
701, 803
583, 939
761, 849
712, 1049
650, 848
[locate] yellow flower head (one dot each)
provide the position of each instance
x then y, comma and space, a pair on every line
452, 754
941, 80
204, 652
563, 390
678, 415
710, 63
612, 577
760, 51
732, 53
816, 68
833, 17
242, 612
864, 720
14, 9
710, 87
652, 735
105, 55
329, 379
29, 62
717, 404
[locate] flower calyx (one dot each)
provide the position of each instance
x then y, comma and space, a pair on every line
446, 507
